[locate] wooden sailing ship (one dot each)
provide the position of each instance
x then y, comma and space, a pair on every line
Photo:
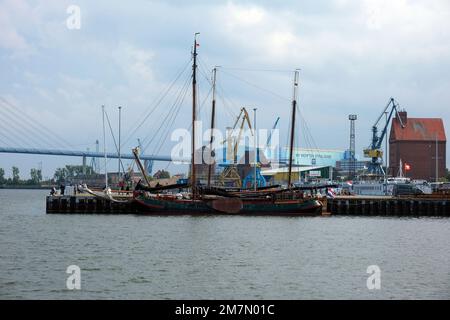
204, 200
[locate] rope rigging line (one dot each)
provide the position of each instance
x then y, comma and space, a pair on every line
114, 138
204, 71
163, 123
162, 141
227, 103
219, 92
307, 130
158, 102
171, 121
258, 70
202, 68
302, 135
174, 114
256, 86
208, 80
171, 110
201, 106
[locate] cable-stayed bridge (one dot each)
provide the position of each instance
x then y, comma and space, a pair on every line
22, 134
87, 154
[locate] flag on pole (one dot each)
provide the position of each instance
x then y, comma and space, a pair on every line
331, 193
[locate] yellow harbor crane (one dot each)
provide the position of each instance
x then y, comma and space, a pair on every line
230, 175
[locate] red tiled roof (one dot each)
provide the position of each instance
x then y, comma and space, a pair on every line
418, 129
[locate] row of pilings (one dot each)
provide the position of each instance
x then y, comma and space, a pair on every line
389, 206
87, 205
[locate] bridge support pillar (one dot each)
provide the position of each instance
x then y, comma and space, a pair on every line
84, 165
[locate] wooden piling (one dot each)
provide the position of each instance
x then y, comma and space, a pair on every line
389, 206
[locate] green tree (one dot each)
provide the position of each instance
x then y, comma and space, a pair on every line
77, 170
36, 176
60, 175
15, 173
2, 176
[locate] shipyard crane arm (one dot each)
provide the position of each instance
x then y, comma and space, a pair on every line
244, 118
374, 150
269, 138
230, 175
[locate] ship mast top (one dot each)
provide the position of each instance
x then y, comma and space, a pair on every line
291, 145
194, 115
213, 119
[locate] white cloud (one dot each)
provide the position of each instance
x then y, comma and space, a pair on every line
134, 62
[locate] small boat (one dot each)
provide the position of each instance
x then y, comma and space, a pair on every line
204, 201
391, 185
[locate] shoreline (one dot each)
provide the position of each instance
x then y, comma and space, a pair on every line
25, 187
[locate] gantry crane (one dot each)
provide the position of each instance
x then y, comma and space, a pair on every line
374, 150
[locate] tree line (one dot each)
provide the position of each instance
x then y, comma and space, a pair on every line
35, 177
61, 175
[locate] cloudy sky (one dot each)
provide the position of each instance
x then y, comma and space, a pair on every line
353, 56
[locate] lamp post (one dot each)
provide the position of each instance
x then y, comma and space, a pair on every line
437, 161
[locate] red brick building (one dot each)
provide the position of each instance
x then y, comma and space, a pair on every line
415, 145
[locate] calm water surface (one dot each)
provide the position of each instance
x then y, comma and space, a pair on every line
138, 257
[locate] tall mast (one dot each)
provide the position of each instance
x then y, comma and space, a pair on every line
213, 119
255, 138
104, 147
291, 146
194, 115
120, 160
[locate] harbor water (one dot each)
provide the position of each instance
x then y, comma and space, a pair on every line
217, 257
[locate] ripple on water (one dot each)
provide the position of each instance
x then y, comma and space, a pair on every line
135, 257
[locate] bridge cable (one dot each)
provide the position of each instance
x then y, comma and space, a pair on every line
49, 134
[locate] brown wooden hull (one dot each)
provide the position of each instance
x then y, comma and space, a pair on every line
251, 207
